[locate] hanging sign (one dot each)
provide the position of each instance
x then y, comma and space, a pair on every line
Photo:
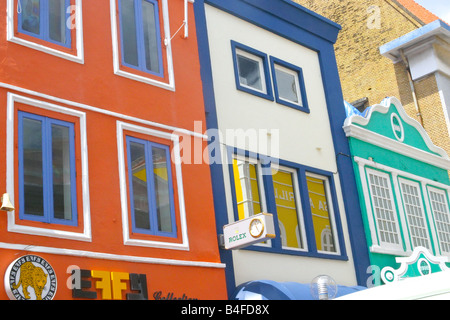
245, 232
30, 278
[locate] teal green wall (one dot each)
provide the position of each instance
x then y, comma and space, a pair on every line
381, 124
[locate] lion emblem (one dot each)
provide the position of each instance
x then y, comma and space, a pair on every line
31, 276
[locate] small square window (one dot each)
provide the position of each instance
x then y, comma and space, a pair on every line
248, 187
251, 71
289, 85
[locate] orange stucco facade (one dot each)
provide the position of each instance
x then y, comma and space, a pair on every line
85, 85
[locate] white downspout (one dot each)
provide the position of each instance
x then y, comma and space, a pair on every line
186, 21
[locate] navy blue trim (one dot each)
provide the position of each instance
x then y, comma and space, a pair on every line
140, 41
47, 171
217, 178
301, 83
44, 32
265, 63
269, 197
301, 26
151, 190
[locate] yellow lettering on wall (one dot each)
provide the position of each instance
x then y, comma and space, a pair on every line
118, 285
104, 284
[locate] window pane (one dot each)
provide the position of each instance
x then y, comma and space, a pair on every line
287, 84
162, 190
128, 32
62, 197
249, 72
139, 185
247, 188
150, 36
31, 16
32, 167
57, 20
320, 214
286, 203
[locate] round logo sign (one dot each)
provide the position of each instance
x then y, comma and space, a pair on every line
424, 267
397, 127
30, 278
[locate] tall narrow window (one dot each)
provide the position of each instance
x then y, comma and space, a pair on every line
412, 200
251, 69
247, 188
47, 170
384, 208
286, 199
140, 35
320, 209
151, 188
441, 213
46, 20
288, 88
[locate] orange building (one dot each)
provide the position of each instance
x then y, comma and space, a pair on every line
99, 100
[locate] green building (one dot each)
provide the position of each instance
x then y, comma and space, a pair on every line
403, 184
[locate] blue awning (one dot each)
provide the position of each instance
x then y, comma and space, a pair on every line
273, 290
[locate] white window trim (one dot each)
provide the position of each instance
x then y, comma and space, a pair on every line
79, 57
298, 203
86, 235
124, 194
170, 85
331, 213
424, 182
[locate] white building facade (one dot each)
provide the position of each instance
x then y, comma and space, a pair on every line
273, 93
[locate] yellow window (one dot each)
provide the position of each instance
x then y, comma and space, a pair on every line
320, 214
247, 188
287, 211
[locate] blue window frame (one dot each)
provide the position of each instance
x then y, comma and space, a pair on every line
251, 68
151, 188
140, 36
47, 174
289, 85
332, 246
46, 20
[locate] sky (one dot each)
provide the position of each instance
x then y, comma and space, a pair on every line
441, 8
